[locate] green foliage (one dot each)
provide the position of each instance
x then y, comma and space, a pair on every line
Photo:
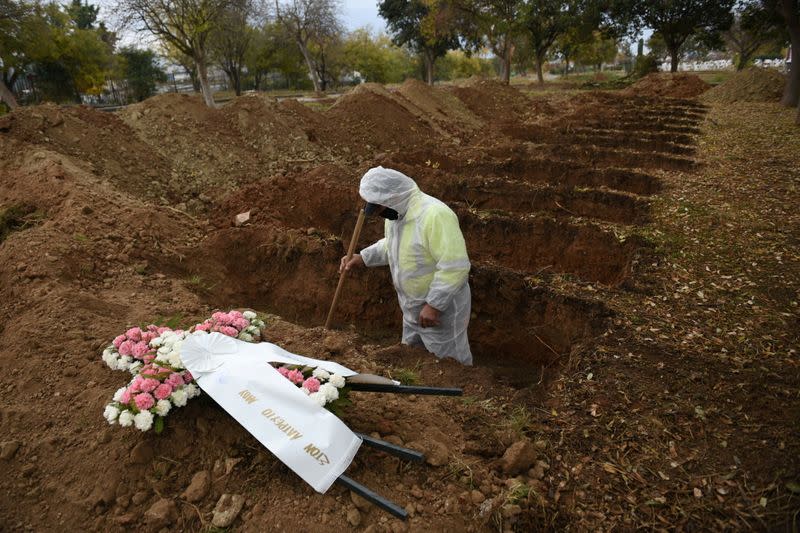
60, 47
458, 65
596, 50
645, 65
377, 59
273, 60
141, 72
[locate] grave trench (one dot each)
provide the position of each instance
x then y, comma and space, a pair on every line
516, 324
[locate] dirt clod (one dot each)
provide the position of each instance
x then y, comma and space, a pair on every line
227, 509
354, 517
8, 449
162, 513
199, 486
519, 457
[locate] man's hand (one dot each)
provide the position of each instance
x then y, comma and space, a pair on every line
355, 261
429, 317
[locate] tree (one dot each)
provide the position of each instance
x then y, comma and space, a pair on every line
184, 24
596, 51
568, 44
311, 23
675, 20
230, 40
376, 59
789, 12
142, 73
546, 20
753, 27
427, 27
274, 51
83, 15
496, 24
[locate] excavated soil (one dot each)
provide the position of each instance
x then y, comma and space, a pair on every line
669, 84
753, 84
124, 219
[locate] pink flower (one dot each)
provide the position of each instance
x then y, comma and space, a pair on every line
126, 348
295, 376
144, 401
175, 380
148, 358
126, 396
312, 384
283, 371
205, 326
134, 334
241, 323
163, 391
218, 315
148, 384
227, 330
139, 349
187, 377
136, 384
119, 339
147, 336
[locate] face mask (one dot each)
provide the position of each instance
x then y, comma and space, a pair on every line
389, 213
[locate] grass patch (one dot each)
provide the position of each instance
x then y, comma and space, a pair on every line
519, 420
406, 376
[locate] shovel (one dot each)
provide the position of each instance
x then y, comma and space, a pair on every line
350, 250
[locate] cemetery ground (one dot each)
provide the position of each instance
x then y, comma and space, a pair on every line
635, 307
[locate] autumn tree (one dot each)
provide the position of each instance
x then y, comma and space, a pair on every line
495, 24
184, 24
753, 27
427, 27
675, 21
547, 20
231, 39
313, 24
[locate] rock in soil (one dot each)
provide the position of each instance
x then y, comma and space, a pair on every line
8, 449
519, 457
354, 517
360, 502
227, 509
161, 514
199, 486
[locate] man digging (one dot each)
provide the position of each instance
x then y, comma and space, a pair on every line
427, 257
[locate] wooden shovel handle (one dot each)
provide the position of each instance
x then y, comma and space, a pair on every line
350, 250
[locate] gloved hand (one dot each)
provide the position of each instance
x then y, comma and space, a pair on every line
355, 261
429, 317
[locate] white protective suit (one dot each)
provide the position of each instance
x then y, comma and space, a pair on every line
427, 257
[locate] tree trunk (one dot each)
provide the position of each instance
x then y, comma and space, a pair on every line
791, 93
539, 62
7, 96
205, 87
428, 59
675, 58
566, 64
507, 54
312, 69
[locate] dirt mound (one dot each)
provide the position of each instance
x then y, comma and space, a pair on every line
754, 84
670, 85
97, 141
492, 101
369, 120
441, 107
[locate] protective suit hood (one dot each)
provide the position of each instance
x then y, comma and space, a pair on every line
388, 187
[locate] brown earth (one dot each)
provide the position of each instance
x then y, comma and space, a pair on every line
669, 84
632, 371
752, 84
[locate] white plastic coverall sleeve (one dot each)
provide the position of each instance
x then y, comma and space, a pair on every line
427, 258
375, 255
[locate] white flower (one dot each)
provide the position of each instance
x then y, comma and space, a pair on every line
252, 330
192, 390
111, 360
118, 394
331, 393
111, 413
321, 373
125, 418
163, 407
200, 332
246, 337
258, 323
143, 420
179, 397
135, 366
319, 398
337, 381
158, 341
175, 360
249, 315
